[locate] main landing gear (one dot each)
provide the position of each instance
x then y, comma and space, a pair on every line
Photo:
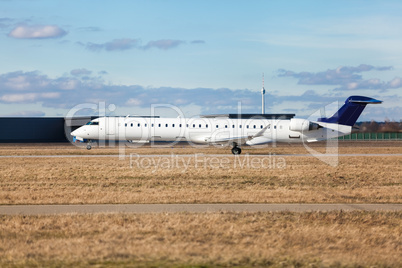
89, 145
236, 150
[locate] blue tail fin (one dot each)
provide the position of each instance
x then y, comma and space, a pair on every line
350, 111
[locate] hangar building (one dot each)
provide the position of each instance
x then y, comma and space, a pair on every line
39, 129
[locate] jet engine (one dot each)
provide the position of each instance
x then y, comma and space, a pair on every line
302, 125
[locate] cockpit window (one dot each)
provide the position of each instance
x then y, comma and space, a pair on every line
93, 123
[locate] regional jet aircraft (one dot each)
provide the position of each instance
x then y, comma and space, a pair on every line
231, 129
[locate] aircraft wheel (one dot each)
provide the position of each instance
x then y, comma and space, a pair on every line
236, 150
89, 147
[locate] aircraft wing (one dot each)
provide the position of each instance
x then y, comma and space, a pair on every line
248, 139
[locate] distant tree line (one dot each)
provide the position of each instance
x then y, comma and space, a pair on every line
379, 127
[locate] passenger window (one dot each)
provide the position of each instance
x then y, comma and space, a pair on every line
159, 125
262, 126
274, 127
166, 125
233, 126
247, 126
254, 126
206, 125
239, 126
132, 124
217, 126
193, 125
145, 125
138, 124
152, 125
226, 126
172, 125
125, 125
179, 125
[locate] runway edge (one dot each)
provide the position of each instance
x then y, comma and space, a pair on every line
190, 208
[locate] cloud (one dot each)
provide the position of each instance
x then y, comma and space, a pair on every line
198, 42
116, 44
121, 44
21, 81
80, 72
67, 83
346, 77
26, 114
163, 44
29, 87
381, 113
5, 22
373, 84
37, 32
28, 97
92, 46
84, 86
395, 83
133, 102
81, 86
128, 43
90, 29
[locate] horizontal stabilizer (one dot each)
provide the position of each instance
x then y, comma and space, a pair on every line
363, 100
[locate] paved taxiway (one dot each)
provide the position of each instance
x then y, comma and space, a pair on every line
192, 208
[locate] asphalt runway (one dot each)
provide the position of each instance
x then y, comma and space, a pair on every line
185, 155
190, 208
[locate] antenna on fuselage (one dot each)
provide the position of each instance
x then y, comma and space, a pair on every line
263, 95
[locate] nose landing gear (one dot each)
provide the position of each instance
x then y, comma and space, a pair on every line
89, 146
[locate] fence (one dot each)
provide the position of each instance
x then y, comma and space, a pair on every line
373, 136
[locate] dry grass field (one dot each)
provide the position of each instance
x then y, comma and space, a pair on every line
335, 239
201, 176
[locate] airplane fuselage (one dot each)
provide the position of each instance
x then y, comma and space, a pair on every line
209, 130
233, 130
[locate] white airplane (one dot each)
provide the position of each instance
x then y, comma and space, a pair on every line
231, 129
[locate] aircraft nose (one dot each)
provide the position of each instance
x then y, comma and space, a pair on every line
76, 132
